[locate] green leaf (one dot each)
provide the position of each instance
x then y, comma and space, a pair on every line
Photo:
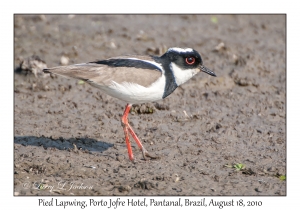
80, 82
282, 178
239, 166
214, 19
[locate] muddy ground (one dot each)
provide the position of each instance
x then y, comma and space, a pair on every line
68, 135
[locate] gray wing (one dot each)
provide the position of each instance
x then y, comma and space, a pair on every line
103, 75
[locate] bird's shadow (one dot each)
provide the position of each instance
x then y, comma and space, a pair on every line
89, 144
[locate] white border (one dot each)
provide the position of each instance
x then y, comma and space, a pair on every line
152, 6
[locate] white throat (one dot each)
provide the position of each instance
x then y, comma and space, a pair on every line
181, 76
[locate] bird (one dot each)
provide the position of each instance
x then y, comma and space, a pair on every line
137, 79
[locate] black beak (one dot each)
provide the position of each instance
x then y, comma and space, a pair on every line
207, 71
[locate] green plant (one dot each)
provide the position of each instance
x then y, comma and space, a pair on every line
239, 166
282, 178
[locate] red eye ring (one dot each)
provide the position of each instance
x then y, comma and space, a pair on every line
190, 60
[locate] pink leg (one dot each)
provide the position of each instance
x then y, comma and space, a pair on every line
127, 128
139, 143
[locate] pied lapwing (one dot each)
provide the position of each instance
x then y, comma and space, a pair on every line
137, 79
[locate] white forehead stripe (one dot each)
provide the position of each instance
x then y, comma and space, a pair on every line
177, 49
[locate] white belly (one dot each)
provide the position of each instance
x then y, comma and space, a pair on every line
134, 93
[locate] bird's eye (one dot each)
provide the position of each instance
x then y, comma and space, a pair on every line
190, 60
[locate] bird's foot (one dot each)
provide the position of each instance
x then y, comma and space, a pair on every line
147, 154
